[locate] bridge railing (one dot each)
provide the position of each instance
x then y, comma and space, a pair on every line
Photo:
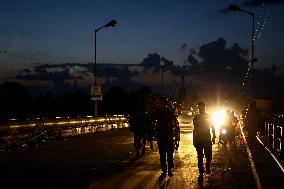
272, 135
17, 132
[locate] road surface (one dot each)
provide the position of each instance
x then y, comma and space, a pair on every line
230, 169
107, 160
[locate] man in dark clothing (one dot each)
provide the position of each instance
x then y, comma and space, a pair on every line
253, 119
166, 127
137, 126
202, 138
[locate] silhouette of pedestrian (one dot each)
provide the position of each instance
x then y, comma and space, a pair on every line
137, 126
253, 120
202, 138
165, 130
139, 131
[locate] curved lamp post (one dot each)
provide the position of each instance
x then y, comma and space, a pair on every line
235, 8
111, 23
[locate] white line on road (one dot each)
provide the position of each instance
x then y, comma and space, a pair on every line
277, 161
258, 185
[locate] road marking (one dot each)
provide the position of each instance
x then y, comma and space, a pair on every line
275, 158
258, 185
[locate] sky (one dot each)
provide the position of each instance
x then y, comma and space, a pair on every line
36, 32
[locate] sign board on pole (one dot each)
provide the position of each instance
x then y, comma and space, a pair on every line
96, 92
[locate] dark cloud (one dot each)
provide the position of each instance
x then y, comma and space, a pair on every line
116, 70
44, 75
152, 63
193, 61
213, 57
42, 72
166, 61
63, 65
217, 58
57, 78
59, 74
124, 82
177, 70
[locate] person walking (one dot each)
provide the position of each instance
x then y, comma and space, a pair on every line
137, 126
166, 127
253, 120
137, 122
202, 138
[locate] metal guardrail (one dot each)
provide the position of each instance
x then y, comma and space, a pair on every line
273, 136
20, 132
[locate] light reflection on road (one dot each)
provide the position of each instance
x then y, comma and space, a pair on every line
144, 172
229, 168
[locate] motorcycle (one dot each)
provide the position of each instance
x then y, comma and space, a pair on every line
225, 136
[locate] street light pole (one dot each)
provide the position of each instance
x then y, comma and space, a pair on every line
234, 8
95, 67
162, 80
252, 59
163, 67
111, 23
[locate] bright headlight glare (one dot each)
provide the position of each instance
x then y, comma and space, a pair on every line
218, 118
223, 131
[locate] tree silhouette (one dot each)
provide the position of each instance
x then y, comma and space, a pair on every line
15, 100
115, 101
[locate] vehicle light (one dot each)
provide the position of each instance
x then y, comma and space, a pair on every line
218, 118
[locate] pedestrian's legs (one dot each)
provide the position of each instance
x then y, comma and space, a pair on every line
143, 144
170, 160
151, 144
163, 161
150, 139
199, 150
137, 143
208, 156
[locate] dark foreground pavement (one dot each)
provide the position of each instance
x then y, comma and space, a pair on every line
106, 160
68, 163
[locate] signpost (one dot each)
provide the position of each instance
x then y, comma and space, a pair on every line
96, 92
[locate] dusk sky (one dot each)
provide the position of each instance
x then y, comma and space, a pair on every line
62, 31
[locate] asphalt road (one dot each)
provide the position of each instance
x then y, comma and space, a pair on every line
107, 160
229, 170
67, 163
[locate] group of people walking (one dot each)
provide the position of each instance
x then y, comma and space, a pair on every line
162, 125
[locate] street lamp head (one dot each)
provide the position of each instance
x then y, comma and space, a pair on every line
233, 7
111, 23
